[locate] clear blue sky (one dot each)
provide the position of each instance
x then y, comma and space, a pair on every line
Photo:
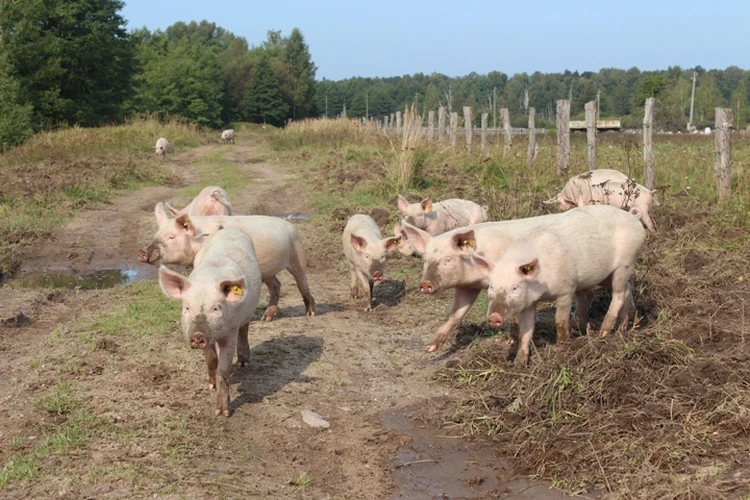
391, 38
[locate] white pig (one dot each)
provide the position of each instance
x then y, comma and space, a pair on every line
607, 187
442, 216
212, 200
227, 136
218, 302
162, 146
402, 243
365, 249
592, 246
278, 246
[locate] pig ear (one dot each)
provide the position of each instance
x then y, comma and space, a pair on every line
171, 209
358, 243
233, 290
161, 213
402, 203
427, 204
184, 222
391, 243
418, 238
572, 203
530, 269
172, 284
465, 242
484, 265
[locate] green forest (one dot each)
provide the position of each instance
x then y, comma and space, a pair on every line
73, 62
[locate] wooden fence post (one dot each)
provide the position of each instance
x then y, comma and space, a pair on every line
563, 136
385, 123
454, 129
441, 122
468, 127
485, 117
393, 120
648, 143
723, 166
430, 126
531, 151
398, 123
590, 108
505, 120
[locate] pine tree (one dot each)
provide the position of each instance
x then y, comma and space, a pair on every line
71, 58
264, 103
301, 74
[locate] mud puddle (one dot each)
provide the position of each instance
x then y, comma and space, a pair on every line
435, 467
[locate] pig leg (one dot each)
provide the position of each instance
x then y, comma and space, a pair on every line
243, 346
212, 360
526, 332
298, 269
563, 305
584, 298
274, 290
354, 287
463, 299
226, 353
367, 285
646, 219
627, 313
620, 288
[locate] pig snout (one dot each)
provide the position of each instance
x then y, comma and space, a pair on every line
495, 320
377, 276
149, 255
198, 341
426, 287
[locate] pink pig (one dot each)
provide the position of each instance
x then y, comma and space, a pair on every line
365, 249
592, 246
437, 217
607, 187
212, 200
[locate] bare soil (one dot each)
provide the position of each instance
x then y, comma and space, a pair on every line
364, 373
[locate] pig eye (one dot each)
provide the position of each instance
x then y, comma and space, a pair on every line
186, 309
170, 237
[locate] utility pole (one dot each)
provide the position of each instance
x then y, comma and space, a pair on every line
494, 107
690, 126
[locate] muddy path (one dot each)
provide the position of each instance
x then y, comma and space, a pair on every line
365, 374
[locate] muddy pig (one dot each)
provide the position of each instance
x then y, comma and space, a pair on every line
365, 249
442, 216
607, 187
212, 200
590, 246
447, 262
218, 302
278, 246
162, 146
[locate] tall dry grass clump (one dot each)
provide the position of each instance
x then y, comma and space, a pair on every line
407, 158
325, 132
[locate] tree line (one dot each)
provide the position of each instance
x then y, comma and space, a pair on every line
72, 62
621, 94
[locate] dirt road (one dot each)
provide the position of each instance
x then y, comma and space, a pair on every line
152, 431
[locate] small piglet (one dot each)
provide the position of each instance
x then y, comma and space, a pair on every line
439, 217
607, 187
227, 136
218, 302
365, 249
598, 245
162, 146
210, 201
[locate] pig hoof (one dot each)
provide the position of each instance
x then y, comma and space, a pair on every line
211, 387
311, 313
431, 348
219, 411
603, 334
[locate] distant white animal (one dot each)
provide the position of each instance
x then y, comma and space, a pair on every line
227, 136
162, 146
707, 131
